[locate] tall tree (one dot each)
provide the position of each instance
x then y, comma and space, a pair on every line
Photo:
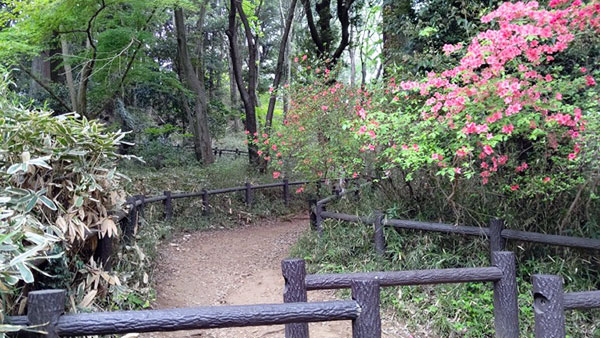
248, 90
280, 64
202, 139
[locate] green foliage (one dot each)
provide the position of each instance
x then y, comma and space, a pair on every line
58, 185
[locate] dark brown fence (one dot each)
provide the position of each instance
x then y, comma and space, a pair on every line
45, 313
550, 303
496, 233
137, 203
502, 273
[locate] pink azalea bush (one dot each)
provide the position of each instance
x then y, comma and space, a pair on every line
508, 122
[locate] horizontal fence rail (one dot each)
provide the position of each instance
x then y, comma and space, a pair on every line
45, 312
502, 273
398, 278
550, 303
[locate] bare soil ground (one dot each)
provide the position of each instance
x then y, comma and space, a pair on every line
236, 267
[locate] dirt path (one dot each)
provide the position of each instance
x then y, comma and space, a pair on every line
235, 267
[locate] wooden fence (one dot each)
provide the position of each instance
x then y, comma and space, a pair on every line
45, 312
496, 233
550, 303
502, 273
45, 308
136, 204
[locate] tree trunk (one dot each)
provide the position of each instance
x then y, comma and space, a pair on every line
352, 51
247, 94
234, 104
68, 71
280, 65
40, 67
86, 73
196, 85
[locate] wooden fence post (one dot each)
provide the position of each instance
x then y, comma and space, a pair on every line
312, 203
104, 252
294, 274
248, 194
497, 243
318, 219
205, 205
131, 220
506, 308
366, 294
379, 234
142, 200
168, 213
44, 307
548, 305
286, 192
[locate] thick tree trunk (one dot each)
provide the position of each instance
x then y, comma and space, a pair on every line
196, 85
280, 65
247, 94
40, 67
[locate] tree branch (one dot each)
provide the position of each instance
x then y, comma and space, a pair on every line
312, 28
342, 10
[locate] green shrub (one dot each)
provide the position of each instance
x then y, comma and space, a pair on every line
58, 186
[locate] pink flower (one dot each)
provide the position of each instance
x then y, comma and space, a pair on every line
559, 96
522, 167
259, 152
296, 59
354, 175
246, 132
514, 187
299, 190
572, 156
546, 179
508, 129
436, 156
488, 150
582, 69
276, 174
458, 170
502, 160
324, 108
590, 80
304, 57
274, 147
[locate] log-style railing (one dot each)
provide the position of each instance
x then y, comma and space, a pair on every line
550, 303
495, 233
502, 273
45, 313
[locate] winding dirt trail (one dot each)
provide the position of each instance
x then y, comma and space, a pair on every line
236, 267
